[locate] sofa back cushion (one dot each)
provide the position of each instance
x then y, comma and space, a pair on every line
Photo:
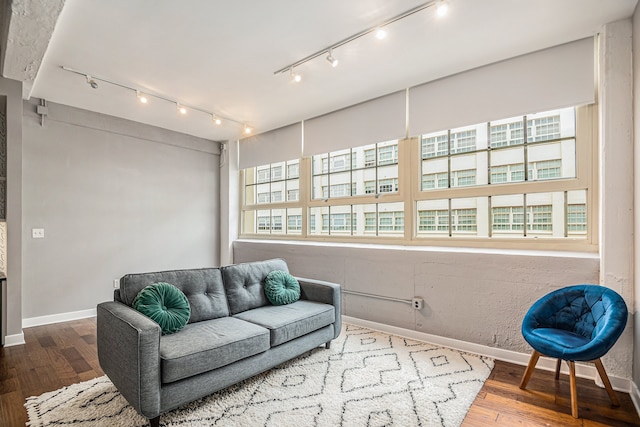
202, 287
244, 283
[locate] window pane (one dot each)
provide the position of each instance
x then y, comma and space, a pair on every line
294, 221
507, 216
434, 145
469, 170
504, 133
387, 153
577, 213
469, 217
316, 218
277, 171
293, 169
388, 179
552, 160
507, 165
355, 172
334, 220
551, 125
435, 174
263, 225
278, 219
340, 161
391, 219
540, 210
268, 184
433, 217
320, 187
365, 220
293, 195
369, 157
462, 141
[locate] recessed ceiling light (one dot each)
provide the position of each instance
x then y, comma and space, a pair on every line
181, 109
381, 33
216, 120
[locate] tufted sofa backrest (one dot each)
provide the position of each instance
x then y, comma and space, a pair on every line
244, 283
212, 292
202, 287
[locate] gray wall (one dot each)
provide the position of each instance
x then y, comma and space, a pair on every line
113, 197
475, 296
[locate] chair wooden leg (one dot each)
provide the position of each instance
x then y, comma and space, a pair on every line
558, 362
574, 390
154, 422
530, 367
607, 383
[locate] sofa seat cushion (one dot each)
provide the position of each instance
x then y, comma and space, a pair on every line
287, 322
204, 346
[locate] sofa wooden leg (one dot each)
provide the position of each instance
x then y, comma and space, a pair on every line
154, 422
532, 365
327, 345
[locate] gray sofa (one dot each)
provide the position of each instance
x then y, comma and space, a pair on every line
233, 333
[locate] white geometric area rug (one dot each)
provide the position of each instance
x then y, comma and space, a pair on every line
367, 378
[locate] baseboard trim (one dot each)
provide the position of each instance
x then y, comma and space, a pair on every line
16, 339
548, 364
57, 318
635, 396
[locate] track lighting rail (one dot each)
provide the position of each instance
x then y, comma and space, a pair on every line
92, 80
328, 49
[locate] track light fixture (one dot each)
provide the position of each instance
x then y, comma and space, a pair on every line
442, 8
295, 77
333, 61
379, 30
91, 82
144, 97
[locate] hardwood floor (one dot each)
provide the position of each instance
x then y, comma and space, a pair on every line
54, 356
545, 402
65, 353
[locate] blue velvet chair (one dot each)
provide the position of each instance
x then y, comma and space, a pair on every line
576, 323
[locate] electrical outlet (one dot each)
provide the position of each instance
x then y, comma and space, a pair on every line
37, 233
417, 303
116, 283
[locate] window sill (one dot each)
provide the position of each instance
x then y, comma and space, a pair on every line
543, 252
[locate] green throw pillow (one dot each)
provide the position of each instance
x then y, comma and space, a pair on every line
281, 288
164, 304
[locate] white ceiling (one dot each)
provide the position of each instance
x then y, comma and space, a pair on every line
220, 55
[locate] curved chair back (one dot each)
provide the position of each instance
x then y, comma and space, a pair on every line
594, 317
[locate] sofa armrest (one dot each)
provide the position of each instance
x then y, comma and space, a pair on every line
326, 292
129, 353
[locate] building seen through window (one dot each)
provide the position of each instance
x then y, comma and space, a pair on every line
460, 185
